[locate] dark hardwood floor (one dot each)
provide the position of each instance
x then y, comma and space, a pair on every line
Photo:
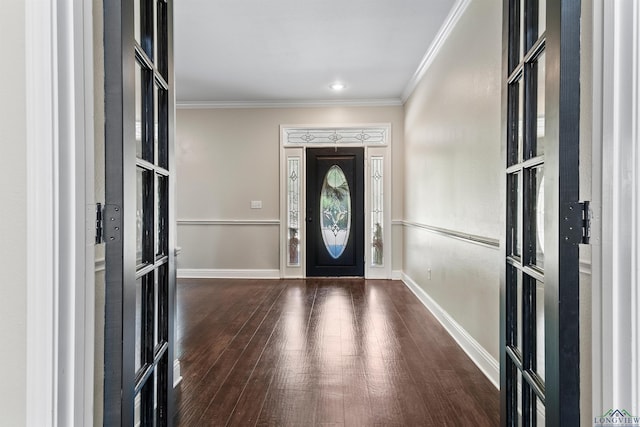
347, 352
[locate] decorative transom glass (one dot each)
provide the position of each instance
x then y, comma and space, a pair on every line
335, 211
367, 136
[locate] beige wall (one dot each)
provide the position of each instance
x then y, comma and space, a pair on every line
453, 174
228, 157
13, 212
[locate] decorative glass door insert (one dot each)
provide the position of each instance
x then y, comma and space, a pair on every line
335, 211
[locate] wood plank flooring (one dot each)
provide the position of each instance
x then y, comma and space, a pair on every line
321, 352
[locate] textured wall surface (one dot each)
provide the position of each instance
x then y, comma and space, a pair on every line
453, 174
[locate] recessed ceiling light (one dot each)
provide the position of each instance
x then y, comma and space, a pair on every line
337, 86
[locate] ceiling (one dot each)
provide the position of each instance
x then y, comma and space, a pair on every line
244, 52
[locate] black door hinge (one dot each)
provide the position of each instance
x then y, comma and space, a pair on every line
99, 224
108, 223
577, 222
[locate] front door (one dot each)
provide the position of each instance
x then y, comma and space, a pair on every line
139, 241
335, 212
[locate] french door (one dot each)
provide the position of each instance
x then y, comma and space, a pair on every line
544, 220
139, 241
335, 211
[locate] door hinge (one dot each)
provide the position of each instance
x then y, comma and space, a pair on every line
577, 218
108, 223
99, 224
586, 222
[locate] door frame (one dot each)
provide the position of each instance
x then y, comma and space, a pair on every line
60, 305
615, 380
294, 140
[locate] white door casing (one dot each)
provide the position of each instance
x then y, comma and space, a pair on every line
294, 139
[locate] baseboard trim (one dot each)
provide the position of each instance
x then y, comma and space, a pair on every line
177, 374
396, 275
483, 360
205, 273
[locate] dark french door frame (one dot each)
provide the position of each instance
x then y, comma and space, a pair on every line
563, 218
121, 382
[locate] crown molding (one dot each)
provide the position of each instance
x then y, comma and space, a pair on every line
193, 105
449, 24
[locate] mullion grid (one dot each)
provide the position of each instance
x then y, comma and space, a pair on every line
521, 228
152, 379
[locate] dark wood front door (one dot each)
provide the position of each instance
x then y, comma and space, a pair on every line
335, 212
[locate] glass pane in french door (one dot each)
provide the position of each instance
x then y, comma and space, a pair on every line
539, 321
138, 327
138, 106
514, 246
144, 215
539, 68
542, 16
536, 218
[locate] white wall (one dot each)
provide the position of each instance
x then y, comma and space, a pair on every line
13, 214
228, 157
453, 175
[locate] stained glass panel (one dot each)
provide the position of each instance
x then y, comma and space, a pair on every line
293, 208
335, 211
377, 193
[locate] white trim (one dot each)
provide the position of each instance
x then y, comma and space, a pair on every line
177, 374
488, 242
299, 150
76, 190
42, 230
449, 24
210, 273
396, 275
483, 360
228, 222
585, 267
195, 105
616, 184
